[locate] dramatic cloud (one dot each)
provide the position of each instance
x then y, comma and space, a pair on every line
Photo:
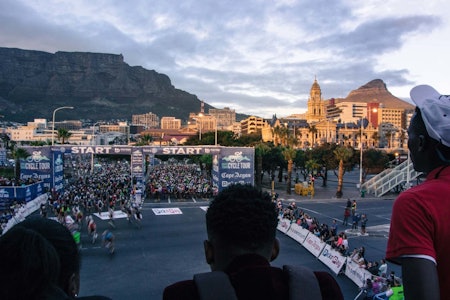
258, 57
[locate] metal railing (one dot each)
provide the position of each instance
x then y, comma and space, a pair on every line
397, 177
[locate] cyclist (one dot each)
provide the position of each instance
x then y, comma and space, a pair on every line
92, 229
108, 240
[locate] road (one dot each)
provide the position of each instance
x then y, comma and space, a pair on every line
168, 248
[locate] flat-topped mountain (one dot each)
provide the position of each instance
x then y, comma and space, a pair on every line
100, 86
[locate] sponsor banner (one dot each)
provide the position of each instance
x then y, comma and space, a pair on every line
355, 273
27, 193
181, 150
58, 171
297, 232
137, 166
102, 149
236, 165
38, 165
283, 225
332, 259
166, 211
313, 244
215, 171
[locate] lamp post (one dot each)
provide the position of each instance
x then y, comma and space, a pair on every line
93, 143
53, 124
361, 155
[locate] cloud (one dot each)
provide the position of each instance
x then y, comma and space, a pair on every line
255, 55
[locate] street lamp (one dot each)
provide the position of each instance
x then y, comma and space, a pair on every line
93, 143
361, 155
53, 124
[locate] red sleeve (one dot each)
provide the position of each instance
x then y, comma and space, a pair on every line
412, 228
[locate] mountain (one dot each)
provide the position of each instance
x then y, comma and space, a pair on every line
376, 91
99, 86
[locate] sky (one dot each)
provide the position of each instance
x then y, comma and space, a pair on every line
258, 57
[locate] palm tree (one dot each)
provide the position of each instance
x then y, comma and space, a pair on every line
289, 154
63, 135
145, 139
18, 154
342, 154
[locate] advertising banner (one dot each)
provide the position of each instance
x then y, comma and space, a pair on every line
37, 166
297, 232
332, 259
313, 244
22, 193
137, 166
101, 149
58, 171
355, 273
283, 225
236, 165
181, 150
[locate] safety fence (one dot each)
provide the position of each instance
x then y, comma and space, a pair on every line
331, 258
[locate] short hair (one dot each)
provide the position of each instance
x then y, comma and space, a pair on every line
242, 216
62, 240
27, 258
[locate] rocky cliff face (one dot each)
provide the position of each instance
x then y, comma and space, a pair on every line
99, 86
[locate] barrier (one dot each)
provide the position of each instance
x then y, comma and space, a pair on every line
334, 260
26, 210
313, 244
355, 273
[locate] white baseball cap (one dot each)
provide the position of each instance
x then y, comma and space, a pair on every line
435, 110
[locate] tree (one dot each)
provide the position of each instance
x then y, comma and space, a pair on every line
342, 155
145, 139
289, 155
63, 135
374, 161
260, 150
18, 154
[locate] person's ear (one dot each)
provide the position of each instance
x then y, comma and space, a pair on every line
74, 285
422, 143
209, 252
275, 249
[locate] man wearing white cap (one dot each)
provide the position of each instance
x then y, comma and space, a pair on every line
419, 237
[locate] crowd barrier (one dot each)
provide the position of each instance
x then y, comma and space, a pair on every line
26, 210
331, 258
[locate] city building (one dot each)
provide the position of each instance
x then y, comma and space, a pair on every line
253, 125
148, 120
225, 117
170, 123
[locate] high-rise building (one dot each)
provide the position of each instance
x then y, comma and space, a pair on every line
225, 117
149, 120
170, 123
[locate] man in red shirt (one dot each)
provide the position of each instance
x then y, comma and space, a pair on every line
420, 232
241, 225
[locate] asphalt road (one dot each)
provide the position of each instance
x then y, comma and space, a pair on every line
168, 248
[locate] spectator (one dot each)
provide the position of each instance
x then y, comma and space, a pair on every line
69, 257
419, 235
363, 223
382, 270
241, 226
29, 268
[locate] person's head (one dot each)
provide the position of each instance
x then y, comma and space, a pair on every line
29, 266
62, 240
240, 220
429, 130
